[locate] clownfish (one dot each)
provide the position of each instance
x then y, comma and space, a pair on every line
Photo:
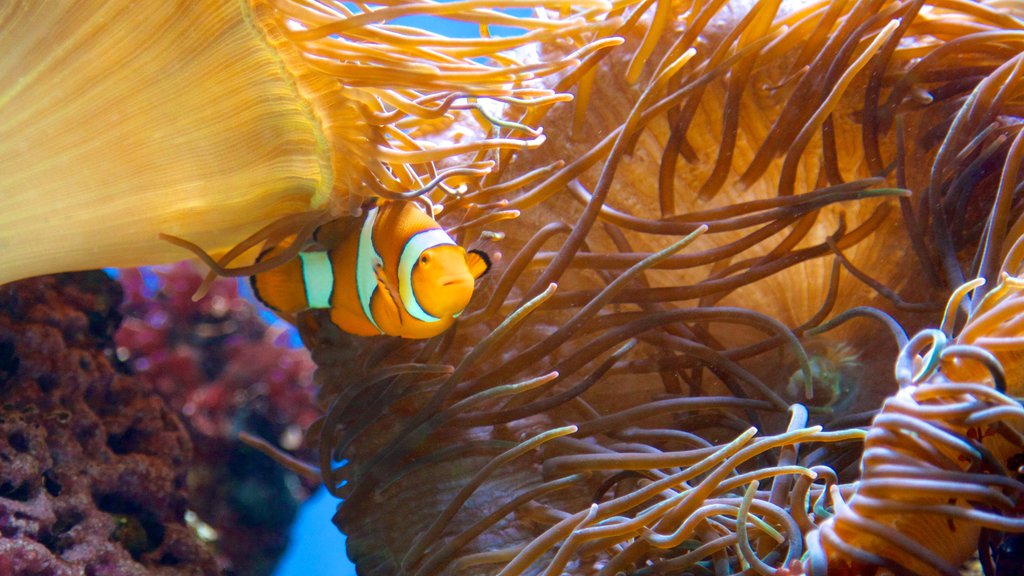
393, 271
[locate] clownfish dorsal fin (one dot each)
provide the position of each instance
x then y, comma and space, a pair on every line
478, 262
331, 234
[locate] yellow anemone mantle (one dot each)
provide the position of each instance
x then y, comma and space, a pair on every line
209, 119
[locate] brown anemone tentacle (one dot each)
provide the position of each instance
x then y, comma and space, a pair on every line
517, 411
714, 285
587, 312
787, 207
330, 426
441, 554
426, 538
625, 330
755, 24
408, 434
871, 129
345, 400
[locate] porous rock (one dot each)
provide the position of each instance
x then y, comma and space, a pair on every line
92, 464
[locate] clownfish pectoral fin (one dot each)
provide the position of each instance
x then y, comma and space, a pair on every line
390, 296
478, 261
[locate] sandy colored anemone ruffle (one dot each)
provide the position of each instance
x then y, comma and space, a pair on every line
209, 119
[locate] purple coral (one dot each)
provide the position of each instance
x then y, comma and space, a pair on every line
93, 466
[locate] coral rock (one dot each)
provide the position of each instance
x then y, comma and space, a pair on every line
92, 463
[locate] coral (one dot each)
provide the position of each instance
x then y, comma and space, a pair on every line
224, 370
93, 465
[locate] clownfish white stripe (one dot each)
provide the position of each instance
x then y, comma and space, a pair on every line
367, 260
414, 248
318, 277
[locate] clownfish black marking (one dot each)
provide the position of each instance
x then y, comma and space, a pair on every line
393, 271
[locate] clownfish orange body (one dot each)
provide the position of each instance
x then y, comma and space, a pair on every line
394, 272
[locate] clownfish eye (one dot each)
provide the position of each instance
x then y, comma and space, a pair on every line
424, 259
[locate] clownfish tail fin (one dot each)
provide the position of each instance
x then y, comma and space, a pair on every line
281, 288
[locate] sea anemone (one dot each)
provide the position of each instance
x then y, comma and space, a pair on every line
941, 460
749, 188
210, 120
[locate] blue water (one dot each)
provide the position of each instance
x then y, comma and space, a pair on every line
316, 548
